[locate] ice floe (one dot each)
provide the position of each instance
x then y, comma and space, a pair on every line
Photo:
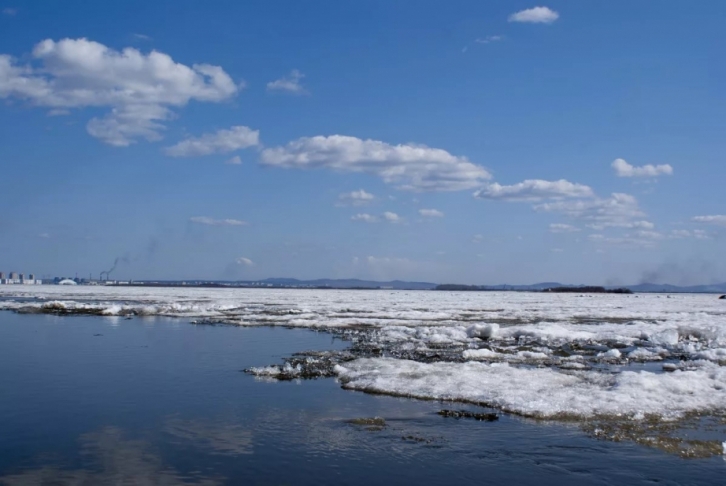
544, 392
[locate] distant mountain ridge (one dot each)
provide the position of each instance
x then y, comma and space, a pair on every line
406, 285
354, 283
349, 283
696, 289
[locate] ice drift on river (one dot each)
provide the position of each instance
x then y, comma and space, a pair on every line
536, 354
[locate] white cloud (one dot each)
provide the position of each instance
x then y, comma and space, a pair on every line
57, 112
489, 39
641, 241
431, 213
556, 250
624, 223
717, 219
650, 235
44, 235
236, 160
646, 238
369, 218
216, 222
640, 224
289, 83
619, 210
535, 15
392, 217
676, 234
391, 267
409, 166
624, 169
563, 228
535, 190
697, 234
356, 198
244, 261
220, 142
386, 260
365, 217
701, 235
10, 12
142, 37
477, 238
139, 89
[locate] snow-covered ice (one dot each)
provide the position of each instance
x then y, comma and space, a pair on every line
544, 392
536, 354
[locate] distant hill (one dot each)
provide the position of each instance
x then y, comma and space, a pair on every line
352, 283
645, 287
696, 289
491, 288
404, 285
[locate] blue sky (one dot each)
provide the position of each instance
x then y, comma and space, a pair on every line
461, 141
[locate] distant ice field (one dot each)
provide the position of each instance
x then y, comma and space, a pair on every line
634, 357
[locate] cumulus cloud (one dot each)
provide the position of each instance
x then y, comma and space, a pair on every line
717, 219
619, 210
409, 166
535, 190
138, 89
289, 83
624, 169
236, 160
535, 15
430, 213
365, 217
392, 217
356, 198
563, 228
216, 222
244, 261
220, 142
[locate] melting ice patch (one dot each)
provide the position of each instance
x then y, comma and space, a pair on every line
544, 392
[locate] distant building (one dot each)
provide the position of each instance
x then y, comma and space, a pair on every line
67, 281
15, 278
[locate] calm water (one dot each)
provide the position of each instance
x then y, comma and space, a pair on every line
86, 400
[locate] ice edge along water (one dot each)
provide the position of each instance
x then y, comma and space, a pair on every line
533, 354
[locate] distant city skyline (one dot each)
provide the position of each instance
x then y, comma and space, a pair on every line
484, 143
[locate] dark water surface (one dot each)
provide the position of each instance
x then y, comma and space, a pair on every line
89, 400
